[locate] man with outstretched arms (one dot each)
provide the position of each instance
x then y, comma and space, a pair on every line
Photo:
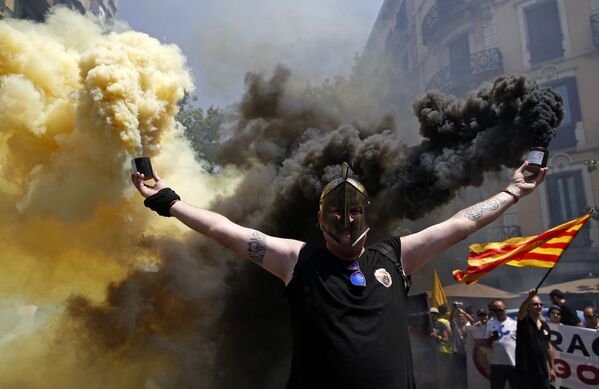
348, 301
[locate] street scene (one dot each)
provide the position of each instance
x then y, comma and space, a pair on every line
324, 194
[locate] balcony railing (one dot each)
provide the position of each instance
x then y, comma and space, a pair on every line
595, 28
5, 12
482, 65
442, 9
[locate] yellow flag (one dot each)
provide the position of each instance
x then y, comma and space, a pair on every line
438, 297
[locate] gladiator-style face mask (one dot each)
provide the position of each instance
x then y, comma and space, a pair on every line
340, 199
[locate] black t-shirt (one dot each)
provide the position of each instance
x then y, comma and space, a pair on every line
531, 347
569, 316
348, 336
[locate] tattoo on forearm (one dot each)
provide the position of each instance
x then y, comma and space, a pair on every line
257, 247
475, 212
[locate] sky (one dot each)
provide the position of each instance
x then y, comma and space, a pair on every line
224, 39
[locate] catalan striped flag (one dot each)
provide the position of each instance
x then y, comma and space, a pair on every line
543, 250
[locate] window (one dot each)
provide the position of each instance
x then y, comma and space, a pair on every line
395, 41
544, 32
565, 136
565, 193
459, 57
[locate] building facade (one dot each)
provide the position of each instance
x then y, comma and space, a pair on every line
455, 45
7, 8
37, 9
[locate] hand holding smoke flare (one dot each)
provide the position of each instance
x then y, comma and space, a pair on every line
143, 165
494, 127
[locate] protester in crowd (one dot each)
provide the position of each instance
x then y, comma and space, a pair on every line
459, 314
534, 352
441, 337
555, 315
590, 318
500, 334
569, 316
444, 317
460, 320
481, 318
440, 332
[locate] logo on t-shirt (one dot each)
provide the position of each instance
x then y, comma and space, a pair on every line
502, 331
383, 277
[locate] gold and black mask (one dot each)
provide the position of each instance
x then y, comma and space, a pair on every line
345, 196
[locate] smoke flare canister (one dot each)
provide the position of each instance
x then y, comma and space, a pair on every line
537, 158
143, 166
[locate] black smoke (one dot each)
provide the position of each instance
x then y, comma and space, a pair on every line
299, 147
291, 145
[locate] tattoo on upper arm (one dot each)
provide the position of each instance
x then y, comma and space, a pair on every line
476, 211
257, 247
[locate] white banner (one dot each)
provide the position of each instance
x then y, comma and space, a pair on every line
576, 357
477, 359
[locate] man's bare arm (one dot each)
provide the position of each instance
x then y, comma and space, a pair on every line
421, 247
276, 255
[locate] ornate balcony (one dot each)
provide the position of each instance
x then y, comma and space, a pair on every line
5, 12
440, 11
595, 28
482, 65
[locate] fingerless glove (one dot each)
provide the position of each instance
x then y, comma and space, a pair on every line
162, 201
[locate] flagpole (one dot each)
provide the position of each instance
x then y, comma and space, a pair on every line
546, 274
591, 211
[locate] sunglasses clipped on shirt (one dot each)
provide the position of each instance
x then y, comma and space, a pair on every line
357, 277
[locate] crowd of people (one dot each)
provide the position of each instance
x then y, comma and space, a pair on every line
520, 353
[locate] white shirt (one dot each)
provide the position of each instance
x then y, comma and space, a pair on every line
503, 349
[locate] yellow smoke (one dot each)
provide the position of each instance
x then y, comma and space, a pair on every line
78, 101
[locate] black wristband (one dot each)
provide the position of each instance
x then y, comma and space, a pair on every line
162, 201
511, 194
